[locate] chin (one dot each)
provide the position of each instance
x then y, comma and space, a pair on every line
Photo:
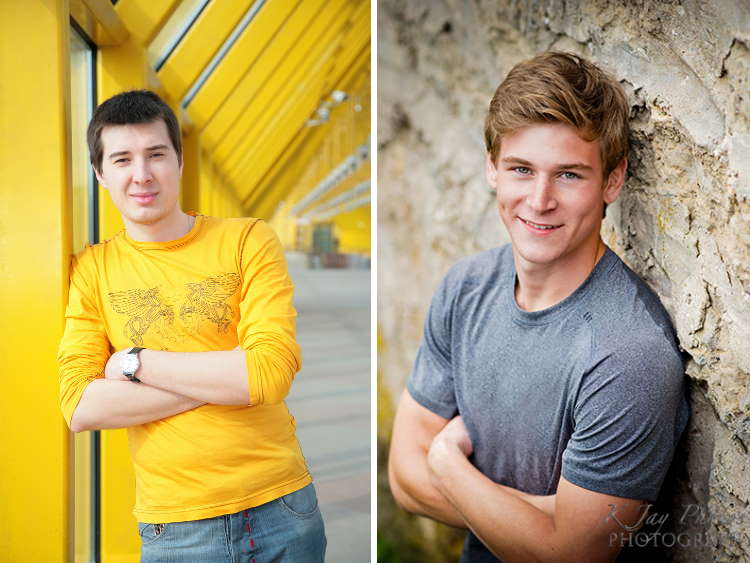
147, 217
538, 256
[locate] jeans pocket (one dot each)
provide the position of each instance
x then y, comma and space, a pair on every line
302, 503
151, 532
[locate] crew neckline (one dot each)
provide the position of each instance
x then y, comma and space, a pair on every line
168, 244
545, 316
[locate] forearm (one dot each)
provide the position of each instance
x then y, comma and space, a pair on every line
412, 487
212, 377
118, 404
512, 528
545, 503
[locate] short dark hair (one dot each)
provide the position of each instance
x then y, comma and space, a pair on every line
135, 106
555, 87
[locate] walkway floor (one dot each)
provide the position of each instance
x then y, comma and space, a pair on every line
330, 399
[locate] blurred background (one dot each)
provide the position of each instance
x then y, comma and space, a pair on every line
682, 222
273, 98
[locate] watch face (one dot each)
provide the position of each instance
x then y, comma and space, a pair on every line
130, 364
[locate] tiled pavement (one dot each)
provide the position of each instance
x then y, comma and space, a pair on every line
330, 399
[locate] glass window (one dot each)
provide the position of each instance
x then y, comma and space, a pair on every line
85, 230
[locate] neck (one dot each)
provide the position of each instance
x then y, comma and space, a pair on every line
540, 286
174, 226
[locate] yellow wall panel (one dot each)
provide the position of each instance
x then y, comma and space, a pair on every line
35, 244
352, 229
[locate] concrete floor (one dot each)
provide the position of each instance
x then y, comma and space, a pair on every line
330, 400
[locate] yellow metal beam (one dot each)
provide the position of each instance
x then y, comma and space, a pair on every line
357, 35
294, 44
278, 115
255, 161
144, 18
256, 38
289, 165
284, 176
35, 245
201, 43
170, 29
99, 20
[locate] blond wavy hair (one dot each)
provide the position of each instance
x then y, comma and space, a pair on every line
555, 87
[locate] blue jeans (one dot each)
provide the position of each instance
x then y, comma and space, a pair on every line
288, 529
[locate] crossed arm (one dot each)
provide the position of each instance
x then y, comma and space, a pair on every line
430, 475
171, 383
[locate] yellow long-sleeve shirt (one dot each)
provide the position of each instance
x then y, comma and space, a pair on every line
223, 284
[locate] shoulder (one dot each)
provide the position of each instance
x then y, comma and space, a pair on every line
627, 313
480, 269
238, 225
630, 326
248, 232
90, 259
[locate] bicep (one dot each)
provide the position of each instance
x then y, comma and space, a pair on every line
627, 419
589, 525
266, 329
84, 347
414, 428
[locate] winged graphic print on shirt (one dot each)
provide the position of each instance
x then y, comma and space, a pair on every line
203, 301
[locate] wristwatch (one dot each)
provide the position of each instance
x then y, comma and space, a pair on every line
131, 363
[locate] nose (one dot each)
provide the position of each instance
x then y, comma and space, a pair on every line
542, 196
142, 172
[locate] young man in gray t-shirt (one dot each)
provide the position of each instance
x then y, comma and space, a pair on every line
547, 396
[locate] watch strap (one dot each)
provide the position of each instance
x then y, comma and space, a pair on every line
131, 375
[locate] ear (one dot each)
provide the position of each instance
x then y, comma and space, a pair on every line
491, 172
615, 182
99, 177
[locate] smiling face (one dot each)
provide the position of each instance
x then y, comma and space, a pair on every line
550, 195
142, 172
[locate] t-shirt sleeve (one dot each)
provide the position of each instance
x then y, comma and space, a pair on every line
266, 329
628, 417
431, 380
84, 349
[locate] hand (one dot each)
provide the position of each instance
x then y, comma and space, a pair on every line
455, 434
113, 369
452, 440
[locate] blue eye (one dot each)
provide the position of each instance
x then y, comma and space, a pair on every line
522, 170
120, 160
570, 175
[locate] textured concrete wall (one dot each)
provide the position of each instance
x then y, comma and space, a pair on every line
682, 223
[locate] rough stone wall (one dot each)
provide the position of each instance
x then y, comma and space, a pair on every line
682, 222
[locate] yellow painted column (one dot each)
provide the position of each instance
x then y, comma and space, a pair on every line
119, 68
35, 243
191, 171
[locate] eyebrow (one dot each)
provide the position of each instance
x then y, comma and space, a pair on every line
153, 148
571, 166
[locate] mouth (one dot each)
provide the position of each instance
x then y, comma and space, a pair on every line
539, 227
144, 197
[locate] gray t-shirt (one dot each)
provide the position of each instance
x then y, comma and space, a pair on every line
591, 388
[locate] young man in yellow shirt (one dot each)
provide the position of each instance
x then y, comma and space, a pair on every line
200, 312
